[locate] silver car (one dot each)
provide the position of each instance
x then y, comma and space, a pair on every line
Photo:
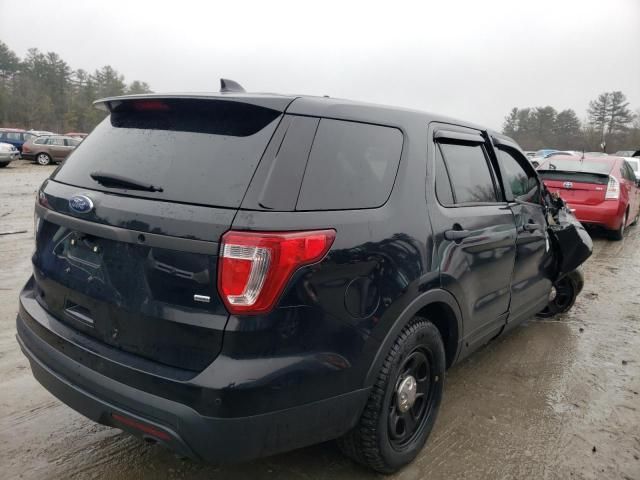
8, 153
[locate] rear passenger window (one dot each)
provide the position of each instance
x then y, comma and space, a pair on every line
351, 165
469, 172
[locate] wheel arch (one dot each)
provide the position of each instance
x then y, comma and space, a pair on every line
442, 309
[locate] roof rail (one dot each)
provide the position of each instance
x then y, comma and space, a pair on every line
227, 85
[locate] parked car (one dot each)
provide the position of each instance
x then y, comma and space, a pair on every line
49, 148
39, 133
8, 153
628, 153
561, 153
602, 190
634, 163
14, 136
345, 267
76, 134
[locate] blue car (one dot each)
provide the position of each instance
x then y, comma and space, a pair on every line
14, 136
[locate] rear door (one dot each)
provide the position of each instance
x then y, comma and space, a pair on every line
631, 185
57, 148
475, 230
530, 284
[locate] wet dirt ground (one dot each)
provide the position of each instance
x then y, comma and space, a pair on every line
554, 399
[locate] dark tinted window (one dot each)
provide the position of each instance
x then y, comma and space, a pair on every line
523, 186
351, 165
443, 185
198, 151
469, 172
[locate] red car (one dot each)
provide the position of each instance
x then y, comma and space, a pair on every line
603, 191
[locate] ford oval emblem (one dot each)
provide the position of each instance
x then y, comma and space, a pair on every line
80, 204
567, 185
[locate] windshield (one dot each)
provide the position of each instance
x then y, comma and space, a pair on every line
199, 152
566, 165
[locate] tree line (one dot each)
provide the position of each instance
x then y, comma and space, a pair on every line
610, 126
42, 92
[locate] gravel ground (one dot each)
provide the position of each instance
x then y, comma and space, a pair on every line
554, 399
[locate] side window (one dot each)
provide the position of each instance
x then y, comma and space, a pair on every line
628, 171
71, 142
469, 172
524, 187
351, 165
15, 136
443, 184
41, 140
56, 141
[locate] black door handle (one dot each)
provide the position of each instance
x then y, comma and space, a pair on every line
531, 227
456, 235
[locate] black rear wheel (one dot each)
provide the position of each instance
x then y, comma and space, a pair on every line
563, 294
619, 234
403, 403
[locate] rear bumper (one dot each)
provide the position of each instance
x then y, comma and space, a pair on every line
177, 425
608, 214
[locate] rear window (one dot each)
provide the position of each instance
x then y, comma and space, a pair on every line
351, 165
577, 166
198, 151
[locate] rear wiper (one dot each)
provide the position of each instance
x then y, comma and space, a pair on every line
116, 181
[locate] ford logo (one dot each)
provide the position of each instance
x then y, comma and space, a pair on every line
80, 204
567, 184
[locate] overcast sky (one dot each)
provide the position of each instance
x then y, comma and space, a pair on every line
469, 59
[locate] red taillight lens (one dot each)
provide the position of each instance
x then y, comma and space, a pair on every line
254, 267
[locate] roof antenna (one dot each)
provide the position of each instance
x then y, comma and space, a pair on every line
227, 86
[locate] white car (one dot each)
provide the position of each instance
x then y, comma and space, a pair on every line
8, 153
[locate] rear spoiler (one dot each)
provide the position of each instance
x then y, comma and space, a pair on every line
582, 177
270, 101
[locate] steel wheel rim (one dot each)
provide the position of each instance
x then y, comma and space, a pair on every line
404, 426
563, 294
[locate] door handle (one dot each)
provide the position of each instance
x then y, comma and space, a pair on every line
456, 234
531, 227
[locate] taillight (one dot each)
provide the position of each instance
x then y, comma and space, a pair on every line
613, 189
254, 267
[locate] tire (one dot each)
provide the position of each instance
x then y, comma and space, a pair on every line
384, 439
43, 159
619, 233
3, 165
566, 290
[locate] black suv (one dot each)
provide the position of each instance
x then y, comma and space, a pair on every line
234, 275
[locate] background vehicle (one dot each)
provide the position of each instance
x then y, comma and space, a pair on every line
8, 153
39, 133
76, 135
628, 153
603, 190
49, 148
14, 136
345, 267
634, 163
